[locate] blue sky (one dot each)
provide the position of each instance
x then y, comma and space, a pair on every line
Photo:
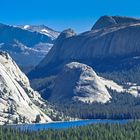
61, 14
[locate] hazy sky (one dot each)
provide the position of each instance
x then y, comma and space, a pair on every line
60, 14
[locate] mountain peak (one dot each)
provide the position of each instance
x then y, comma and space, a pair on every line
107, 21
64, 35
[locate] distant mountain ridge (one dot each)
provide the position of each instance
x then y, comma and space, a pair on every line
41, 29
26, 47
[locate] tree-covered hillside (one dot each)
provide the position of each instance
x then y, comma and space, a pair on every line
121, 106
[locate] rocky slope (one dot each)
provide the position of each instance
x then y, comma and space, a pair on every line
106, 44
26, 47
17, 99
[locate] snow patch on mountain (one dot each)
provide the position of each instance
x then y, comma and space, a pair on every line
41, 29
26, 27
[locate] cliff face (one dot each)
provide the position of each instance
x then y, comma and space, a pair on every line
118, 41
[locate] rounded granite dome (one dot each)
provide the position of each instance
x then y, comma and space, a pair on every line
78, 81
109, 21
104, 21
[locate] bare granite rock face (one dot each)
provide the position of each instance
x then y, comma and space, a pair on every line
78, 81
19, 103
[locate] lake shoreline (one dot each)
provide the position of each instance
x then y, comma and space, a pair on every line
64, 124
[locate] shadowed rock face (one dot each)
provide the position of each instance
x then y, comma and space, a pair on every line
111, 43
79, 82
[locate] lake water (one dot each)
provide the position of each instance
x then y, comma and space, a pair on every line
63, 125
